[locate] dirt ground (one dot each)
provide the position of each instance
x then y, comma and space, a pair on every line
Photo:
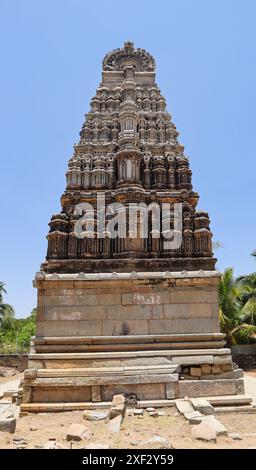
35, 430
17, 376
250, 373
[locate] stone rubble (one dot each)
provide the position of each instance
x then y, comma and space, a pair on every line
78, 432
114, 424
203, 432
95, 415
158, 440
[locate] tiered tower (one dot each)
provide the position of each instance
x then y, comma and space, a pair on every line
127, 314
129, 151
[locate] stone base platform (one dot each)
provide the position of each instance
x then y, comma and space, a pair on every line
151, 336
145, 375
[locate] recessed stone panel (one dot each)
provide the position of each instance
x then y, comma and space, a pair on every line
187, 310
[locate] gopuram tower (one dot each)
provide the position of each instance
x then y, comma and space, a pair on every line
127, 296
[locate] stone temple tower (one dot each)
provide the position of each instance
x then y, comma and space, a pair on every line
128, 313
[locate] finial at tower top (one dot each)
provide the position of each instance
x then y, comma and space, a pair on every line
128, 46
118, 59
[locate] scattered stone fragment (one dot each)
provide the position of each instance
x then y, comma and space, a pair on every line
77, 432
150, 410
164, 443
97, 445
204, 432
8, 372
116, 411
95, 415
156, 413
236, 436
118, 400
114, 424
135, 412
20, 441
194, 417
118, 406
50, 444
8, 424
215, 424
32, 428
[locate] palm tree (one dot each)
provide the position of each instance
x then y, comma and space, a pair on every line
247, 297
237, 306
2, 290
6, 311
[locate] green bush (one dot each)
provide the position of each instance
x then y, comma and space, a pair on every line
16, 337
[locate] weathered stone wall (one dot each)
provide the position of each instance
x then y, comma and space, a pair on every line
17, 361
127, 306
244, 355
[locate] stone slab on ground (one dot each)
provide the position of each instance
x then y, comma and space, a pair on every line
234, 409
184, 406
8, 415
235, 436
8, 424
95, 415
215, 424
202, 405
77, 432
114, 424
204, 432
194, 417
230, 400
116, 411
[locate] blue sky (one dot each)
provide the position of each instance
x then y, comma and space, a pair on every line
51, 54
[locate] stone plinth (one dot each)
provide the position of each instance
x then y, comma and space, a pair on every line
155, 335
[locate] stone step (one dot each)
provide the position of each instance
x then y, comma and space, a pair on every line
120, 354
229, 400
100, 380
41, 348
128, 339
55, 407
202, 405
235, 409
97, 371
